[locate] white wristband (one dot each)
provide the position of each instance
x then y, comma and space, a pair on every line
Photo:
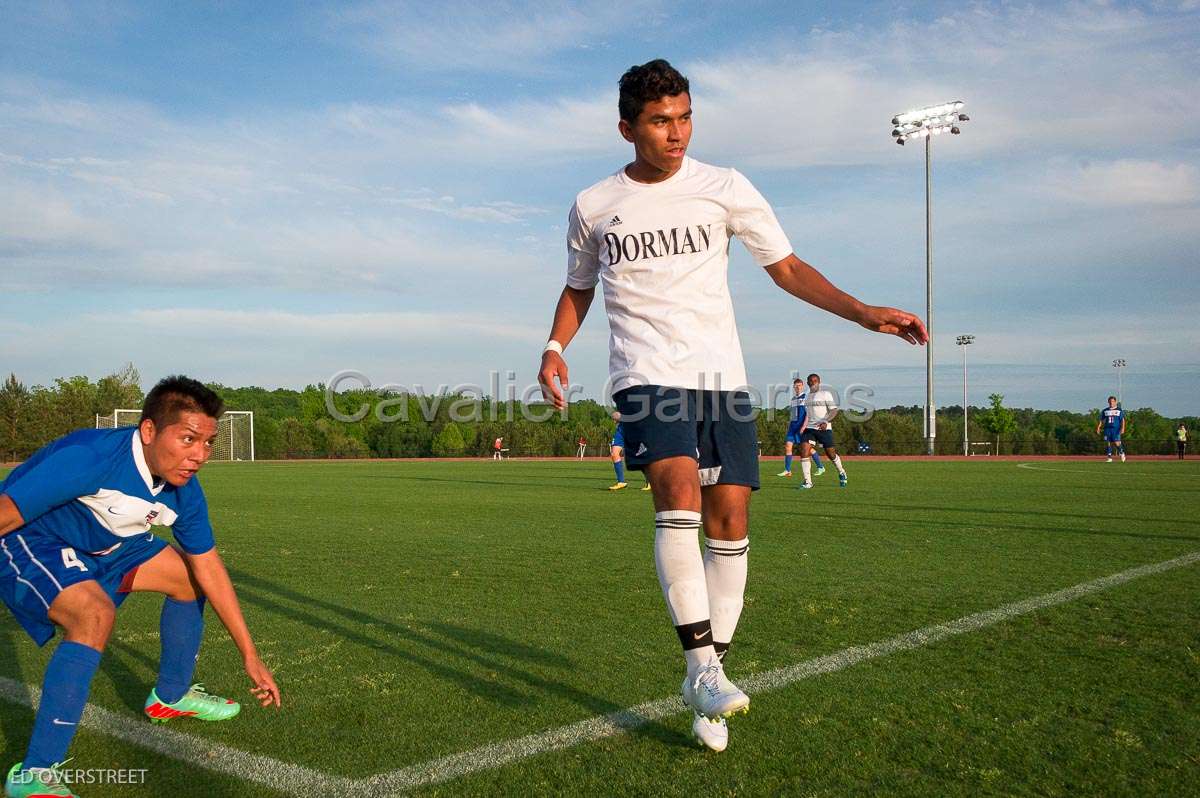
552, 346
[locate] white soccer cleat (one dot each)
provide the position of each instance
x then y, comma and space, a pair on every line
1109, 460
1122, 457
711, 694
784, 474
712, 734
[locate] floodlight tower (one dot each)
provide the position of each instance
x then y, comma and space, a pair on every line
925, 123
963, 342
1119, 365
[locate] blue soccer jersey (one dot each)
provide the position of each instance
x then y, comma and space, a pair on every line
798, 413
93, 491
618, 438
1110, 419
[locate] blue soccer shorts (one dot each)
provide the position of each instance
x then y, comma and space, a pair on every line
716, 428
822, 436
36, 567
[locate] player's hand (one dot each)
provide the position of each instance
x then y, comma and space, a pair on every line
264, 690
822, 426
899, 323
553, 366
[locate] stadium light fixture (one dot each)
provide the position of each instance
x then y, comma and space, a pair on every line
925, 123
1119, 365
963, 342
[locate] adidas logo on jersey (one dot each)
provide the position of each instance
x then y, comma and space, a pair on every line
641, 450
613, 222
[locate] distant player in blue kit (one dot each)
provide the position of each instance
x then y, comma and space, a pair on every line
795, 428
1112, 425
617, 450
75, 540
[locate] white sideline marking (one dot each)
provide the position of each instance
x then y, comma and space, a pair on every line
300, 781
132, 728
493, 756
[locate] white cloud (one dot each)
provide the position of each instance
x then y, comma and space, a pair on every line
1128, 182
494, 37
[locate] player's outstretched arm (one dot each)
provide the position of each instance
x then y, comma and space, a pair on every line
209, 572
572, 307
804, 282
10, 516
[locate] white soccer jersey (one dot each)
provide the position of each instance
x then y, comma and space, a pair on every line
821, 405
662, 253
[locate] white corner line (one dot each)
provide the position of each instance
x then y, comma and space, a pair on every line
137, 730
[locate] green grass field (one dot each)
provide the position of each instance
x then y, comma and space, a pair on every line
413, 611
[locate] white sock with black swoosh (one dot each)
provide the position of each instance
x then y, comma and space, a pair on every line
681, 574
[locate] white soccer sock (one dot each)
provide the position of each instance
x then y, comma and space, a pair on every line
837, 462
681, 574
725, 564
806, 468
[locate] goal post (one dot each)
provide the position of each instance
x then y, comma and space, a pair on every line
235, 431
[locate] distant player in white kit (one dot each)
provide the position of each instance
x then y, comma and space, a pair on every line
822, 409
656, 234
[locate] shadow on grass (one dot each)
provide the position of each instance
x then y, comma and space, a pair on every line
457, 644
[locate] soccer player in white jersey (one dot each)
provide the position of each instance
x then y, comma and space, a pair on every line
75, 540
656, 235
822, 408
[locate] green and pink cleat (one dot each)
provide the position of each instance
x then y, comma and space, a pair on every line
37, 783
196, 703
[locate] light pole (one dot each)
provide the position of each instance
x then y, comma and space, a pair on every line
1119, 365
925, 123
963, 342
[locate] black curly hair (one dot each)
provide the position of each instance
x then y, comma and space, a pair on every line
647, 83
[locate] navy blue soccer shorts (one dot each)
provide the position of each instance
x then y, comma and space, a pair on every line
824, 437
1112, 436
36, 567
793, 431
716, 428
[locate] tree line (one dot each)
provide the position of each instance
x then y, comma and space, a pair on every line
292, 423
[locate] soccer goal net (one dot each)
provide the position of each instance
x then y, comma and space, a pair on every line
235, 431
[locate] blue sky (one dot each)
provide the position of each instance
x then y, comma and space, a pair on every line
268, 193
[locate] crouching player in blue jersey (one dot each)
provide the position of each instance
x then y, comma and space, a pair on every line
75, 540
1112, 424
795, 429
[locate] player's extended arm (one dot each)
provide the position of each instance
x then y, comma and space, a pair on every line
10, 516
209, 571
804, 282
572, 307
